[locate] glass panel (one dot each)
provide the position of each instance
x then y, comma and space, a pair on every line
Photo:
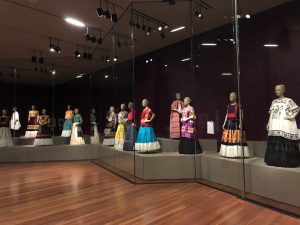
269, 40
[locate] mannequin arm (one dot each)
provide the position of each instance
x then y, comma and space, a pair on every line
225, 120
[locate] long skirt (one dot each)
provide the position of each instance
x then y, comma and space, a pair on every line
174, 125
67, 128
189, 146
5, 137
282, 152
94, 134
76, 135
32, 128
232, 144
43, 136
130, 137
109, 136
120, 136
146, 140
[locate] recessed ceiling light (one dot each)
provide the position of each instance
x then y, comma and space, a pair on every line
106, 76
208, 44
79, 76
197, 66
166, 65
247, 16
75, 22
186, 59
226, 74
178, 29
271, 45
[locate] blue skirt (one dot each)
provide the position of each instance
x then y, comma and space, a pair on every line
67, 125
146, 140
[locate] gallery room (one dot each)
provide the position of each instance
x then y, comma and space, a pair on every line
149, 112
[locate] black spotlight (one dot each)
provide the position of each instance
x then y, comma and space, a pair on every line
93, 39
107, 59
149, 31
33, 59
57, 49
41, 60
172, 2
144, 27
119, 44
42, 70
114, 17
90, 56
85, 55
77, 54
162, 35
87, 37
35, 69
106, 14
52, 48
100, 41
199, 14
138, 26
100, 11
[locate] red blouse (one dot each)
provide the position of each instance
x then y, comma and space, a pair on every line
131, 116
233, 111
146, 115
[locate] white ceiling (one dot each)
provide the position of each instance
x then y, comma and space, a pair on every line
26, 25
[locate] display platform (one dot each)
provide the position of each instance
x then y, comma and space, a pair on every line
57, 140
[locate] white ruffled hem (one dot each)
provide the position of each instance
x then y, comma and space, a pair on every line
147, 147
66, 133
43, 141
30, 134
108, 142
75, 140
235, 151
119, 144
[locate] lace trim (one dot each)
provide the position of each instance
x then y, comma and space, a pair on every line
283, 134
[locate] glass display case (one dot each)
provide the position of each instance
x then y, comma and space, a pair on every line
196, 91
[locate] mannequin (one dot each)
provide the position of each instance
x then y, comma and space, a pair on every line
44, 136
283, 148
33, 126
110, 127
146, 141
120, 135
232, 144
188, 144
94, 130
76, 134
68, 122
15, 124
5, 135
131, 132
176, 108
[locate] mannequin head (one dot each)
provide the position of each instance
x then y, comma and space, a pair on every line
232, 97
76, 110
130, 105
112, 109
123, 106
4, 112
33, 107
14, 109
145, 102
279, 90
187, 101
178, 96
44, 111
93, 110
68, 107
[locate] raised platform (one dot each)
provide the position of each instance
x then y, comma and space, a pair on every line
281, 184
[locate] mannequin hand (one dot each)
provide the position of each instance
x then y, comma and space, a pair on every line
288, 118
267, 127
223, 127
147, 121
133, 124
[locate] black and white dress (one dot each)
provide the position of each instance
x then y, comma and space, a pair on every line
283, 148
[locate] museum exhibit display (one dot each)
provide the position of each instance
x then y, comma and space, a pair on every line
167, 92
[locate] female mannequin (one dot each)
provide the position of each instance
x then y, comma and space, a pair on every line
76, 134
146, 139
44, 136
68, 122
110, 127
283, 148
15, 124
176, 107
5, 135
120, 135
232, 143
94, 130
33, 126
188, 144
131, 132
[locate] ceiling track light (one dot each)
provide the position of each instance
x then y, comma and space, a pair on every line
57, 48
51, 46
106, 13
198, 12
77, 53
114, 16
138, 26
100, 10
100, 40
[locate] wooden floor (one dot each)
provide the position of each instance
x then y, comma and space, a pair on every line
83, 193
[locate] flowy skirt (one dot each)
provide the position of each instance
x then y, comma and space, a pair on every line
146, 140
76, 135
5, 137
